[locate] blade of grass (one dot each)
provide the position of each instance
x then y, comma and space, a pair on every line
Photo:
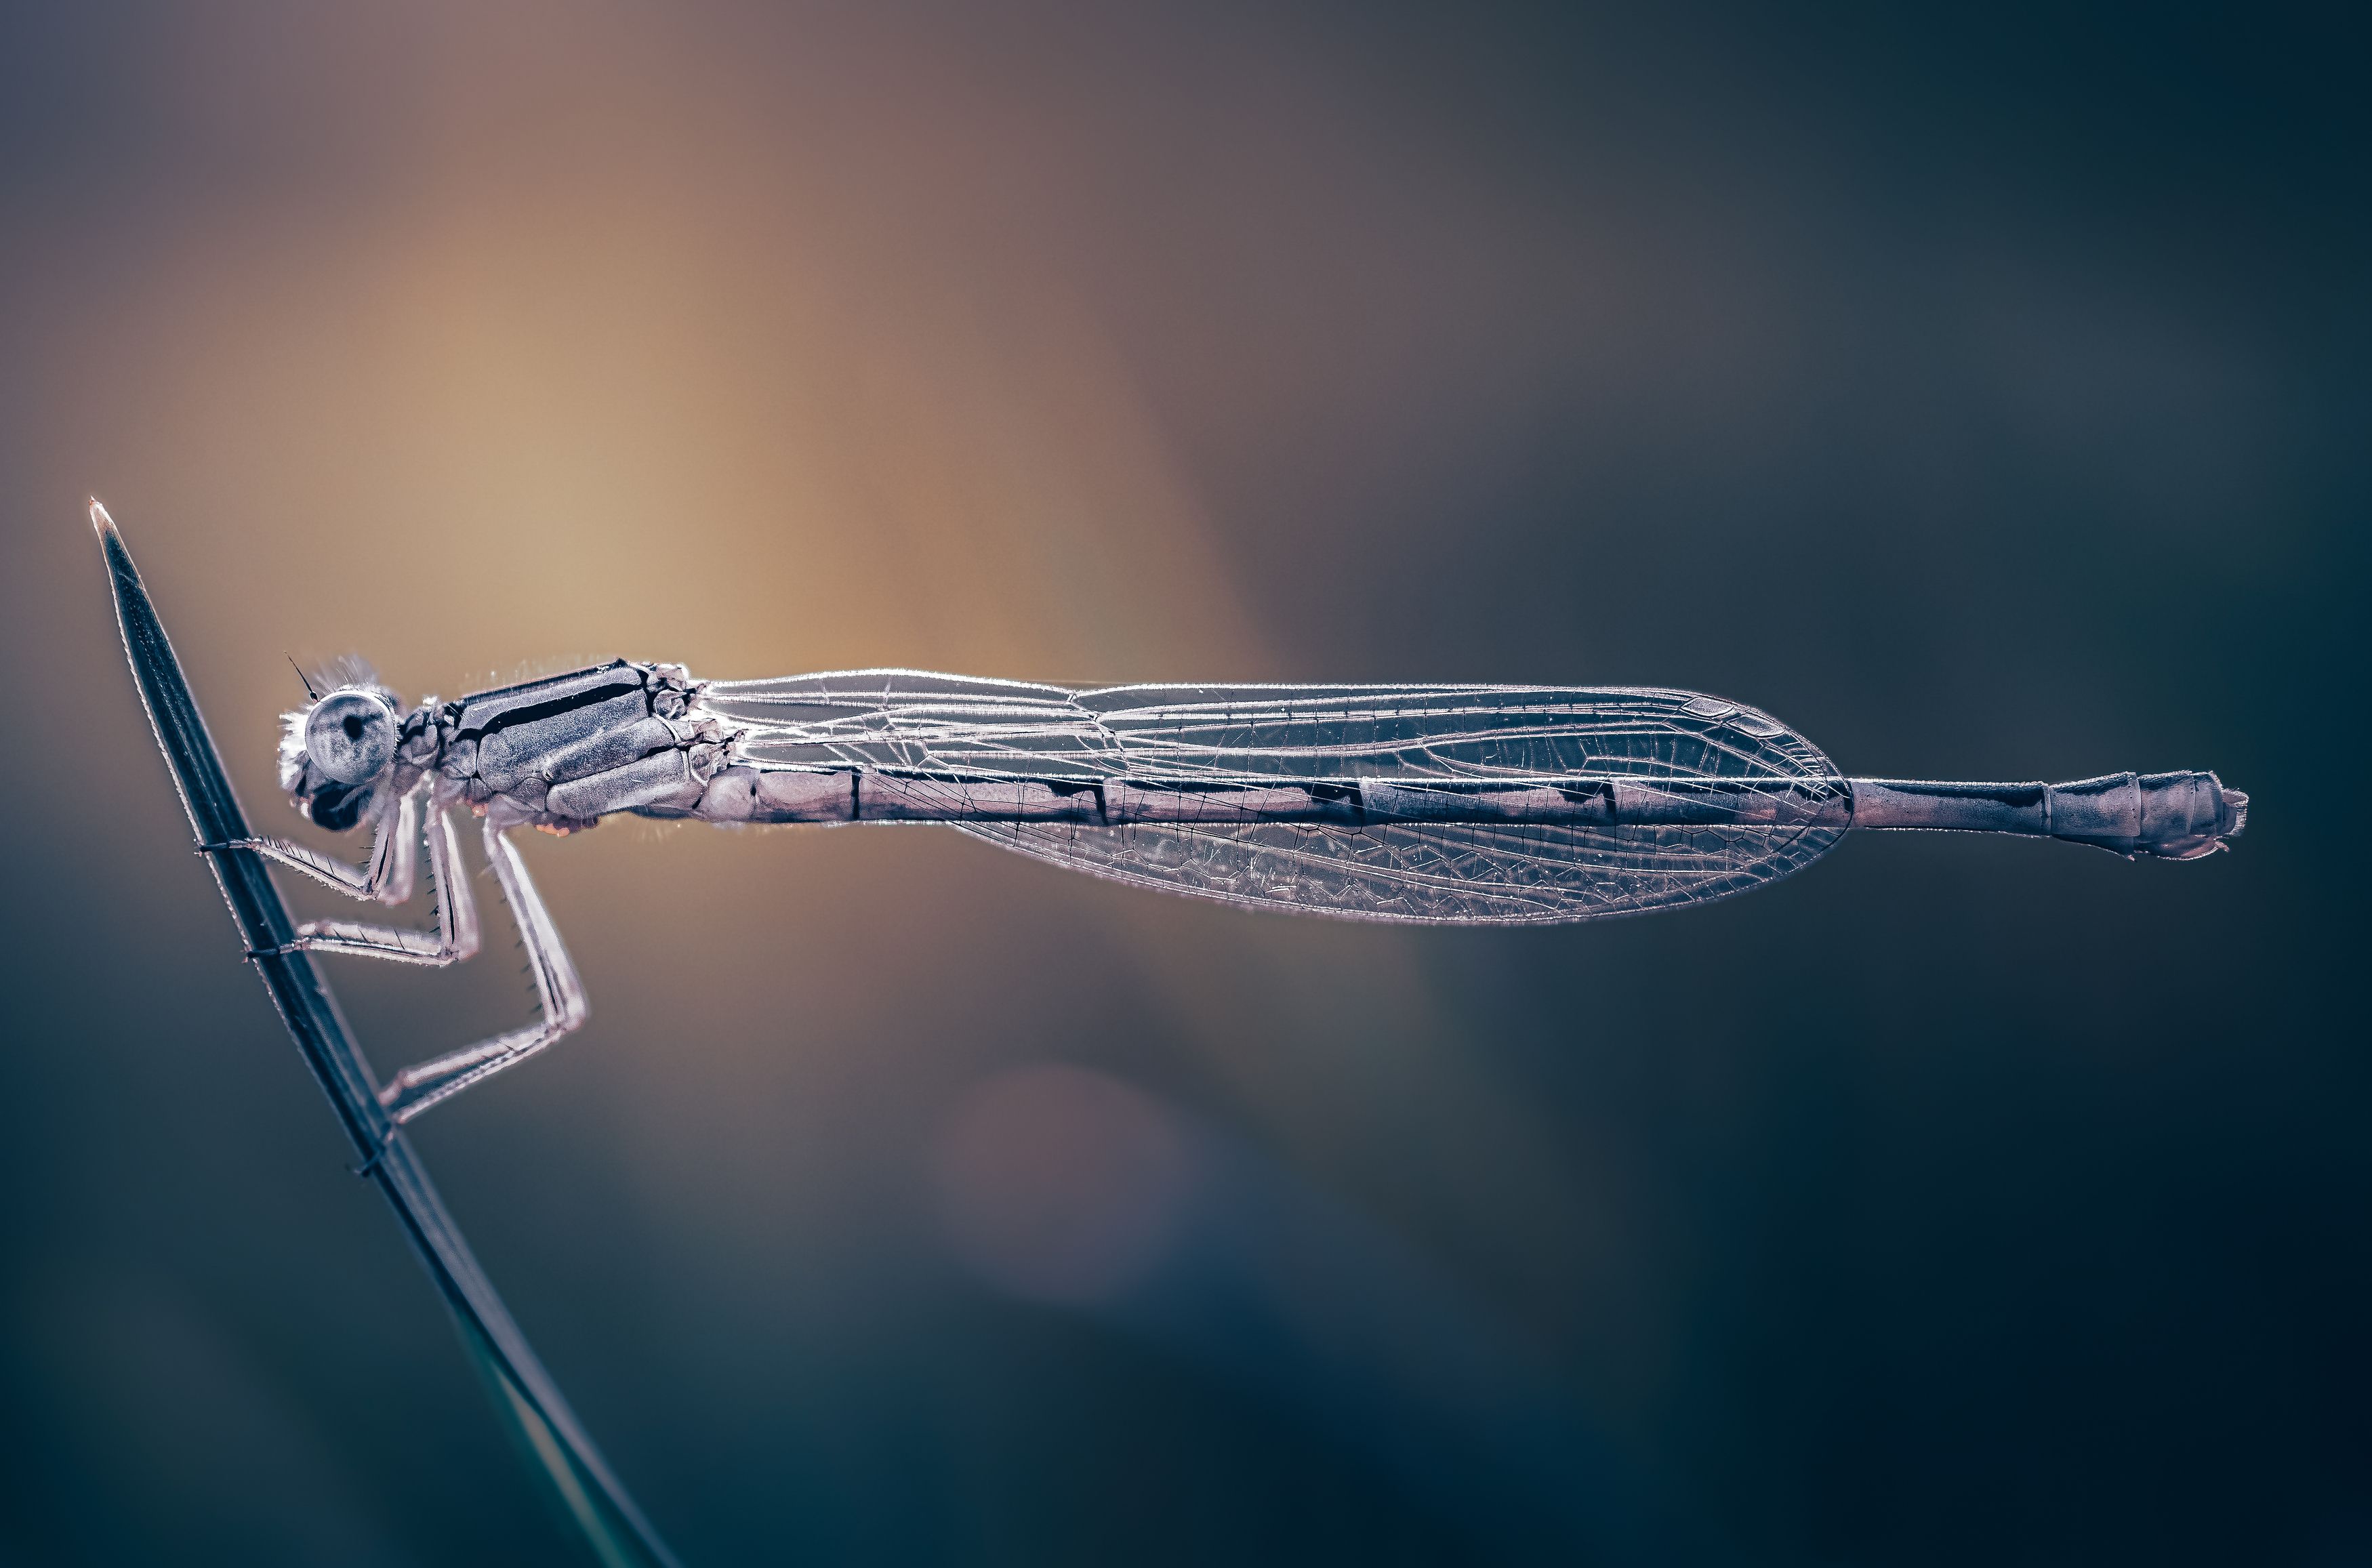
528, 1400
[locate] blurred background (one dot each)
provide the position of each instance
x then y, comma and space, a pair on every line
1979, 390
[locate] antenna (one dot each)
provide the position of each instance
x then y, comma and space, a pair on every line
302, 676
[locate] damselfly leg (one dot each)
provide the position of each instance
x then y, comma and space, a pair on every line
388, 877
560, 993
456, 937
385, 876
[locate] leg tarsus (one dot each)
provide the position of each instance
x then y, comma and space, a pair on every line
386, 1142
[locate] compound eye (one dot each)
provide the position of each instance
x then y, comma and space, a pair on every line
350, 735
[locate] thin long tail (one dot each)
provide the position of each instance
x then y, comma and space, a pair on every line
2171, 816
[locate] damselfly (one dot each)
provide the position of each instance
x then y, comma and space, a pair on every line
1452, 804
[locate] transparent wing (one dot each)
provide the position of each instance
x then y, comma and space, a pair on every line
1448, 874
1464, 872
912, 720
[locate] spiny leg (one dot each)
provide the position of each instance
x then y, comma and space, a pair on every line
456, 938
386, 875
416, 1088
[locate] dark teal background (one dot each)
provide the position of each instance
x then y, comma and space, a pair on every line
1980, 390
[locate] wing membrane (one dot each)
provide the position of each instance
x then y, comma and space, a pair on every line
912, 721
1464, 872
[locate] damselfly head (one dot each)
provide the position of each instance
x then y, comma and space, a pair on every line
337, 750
